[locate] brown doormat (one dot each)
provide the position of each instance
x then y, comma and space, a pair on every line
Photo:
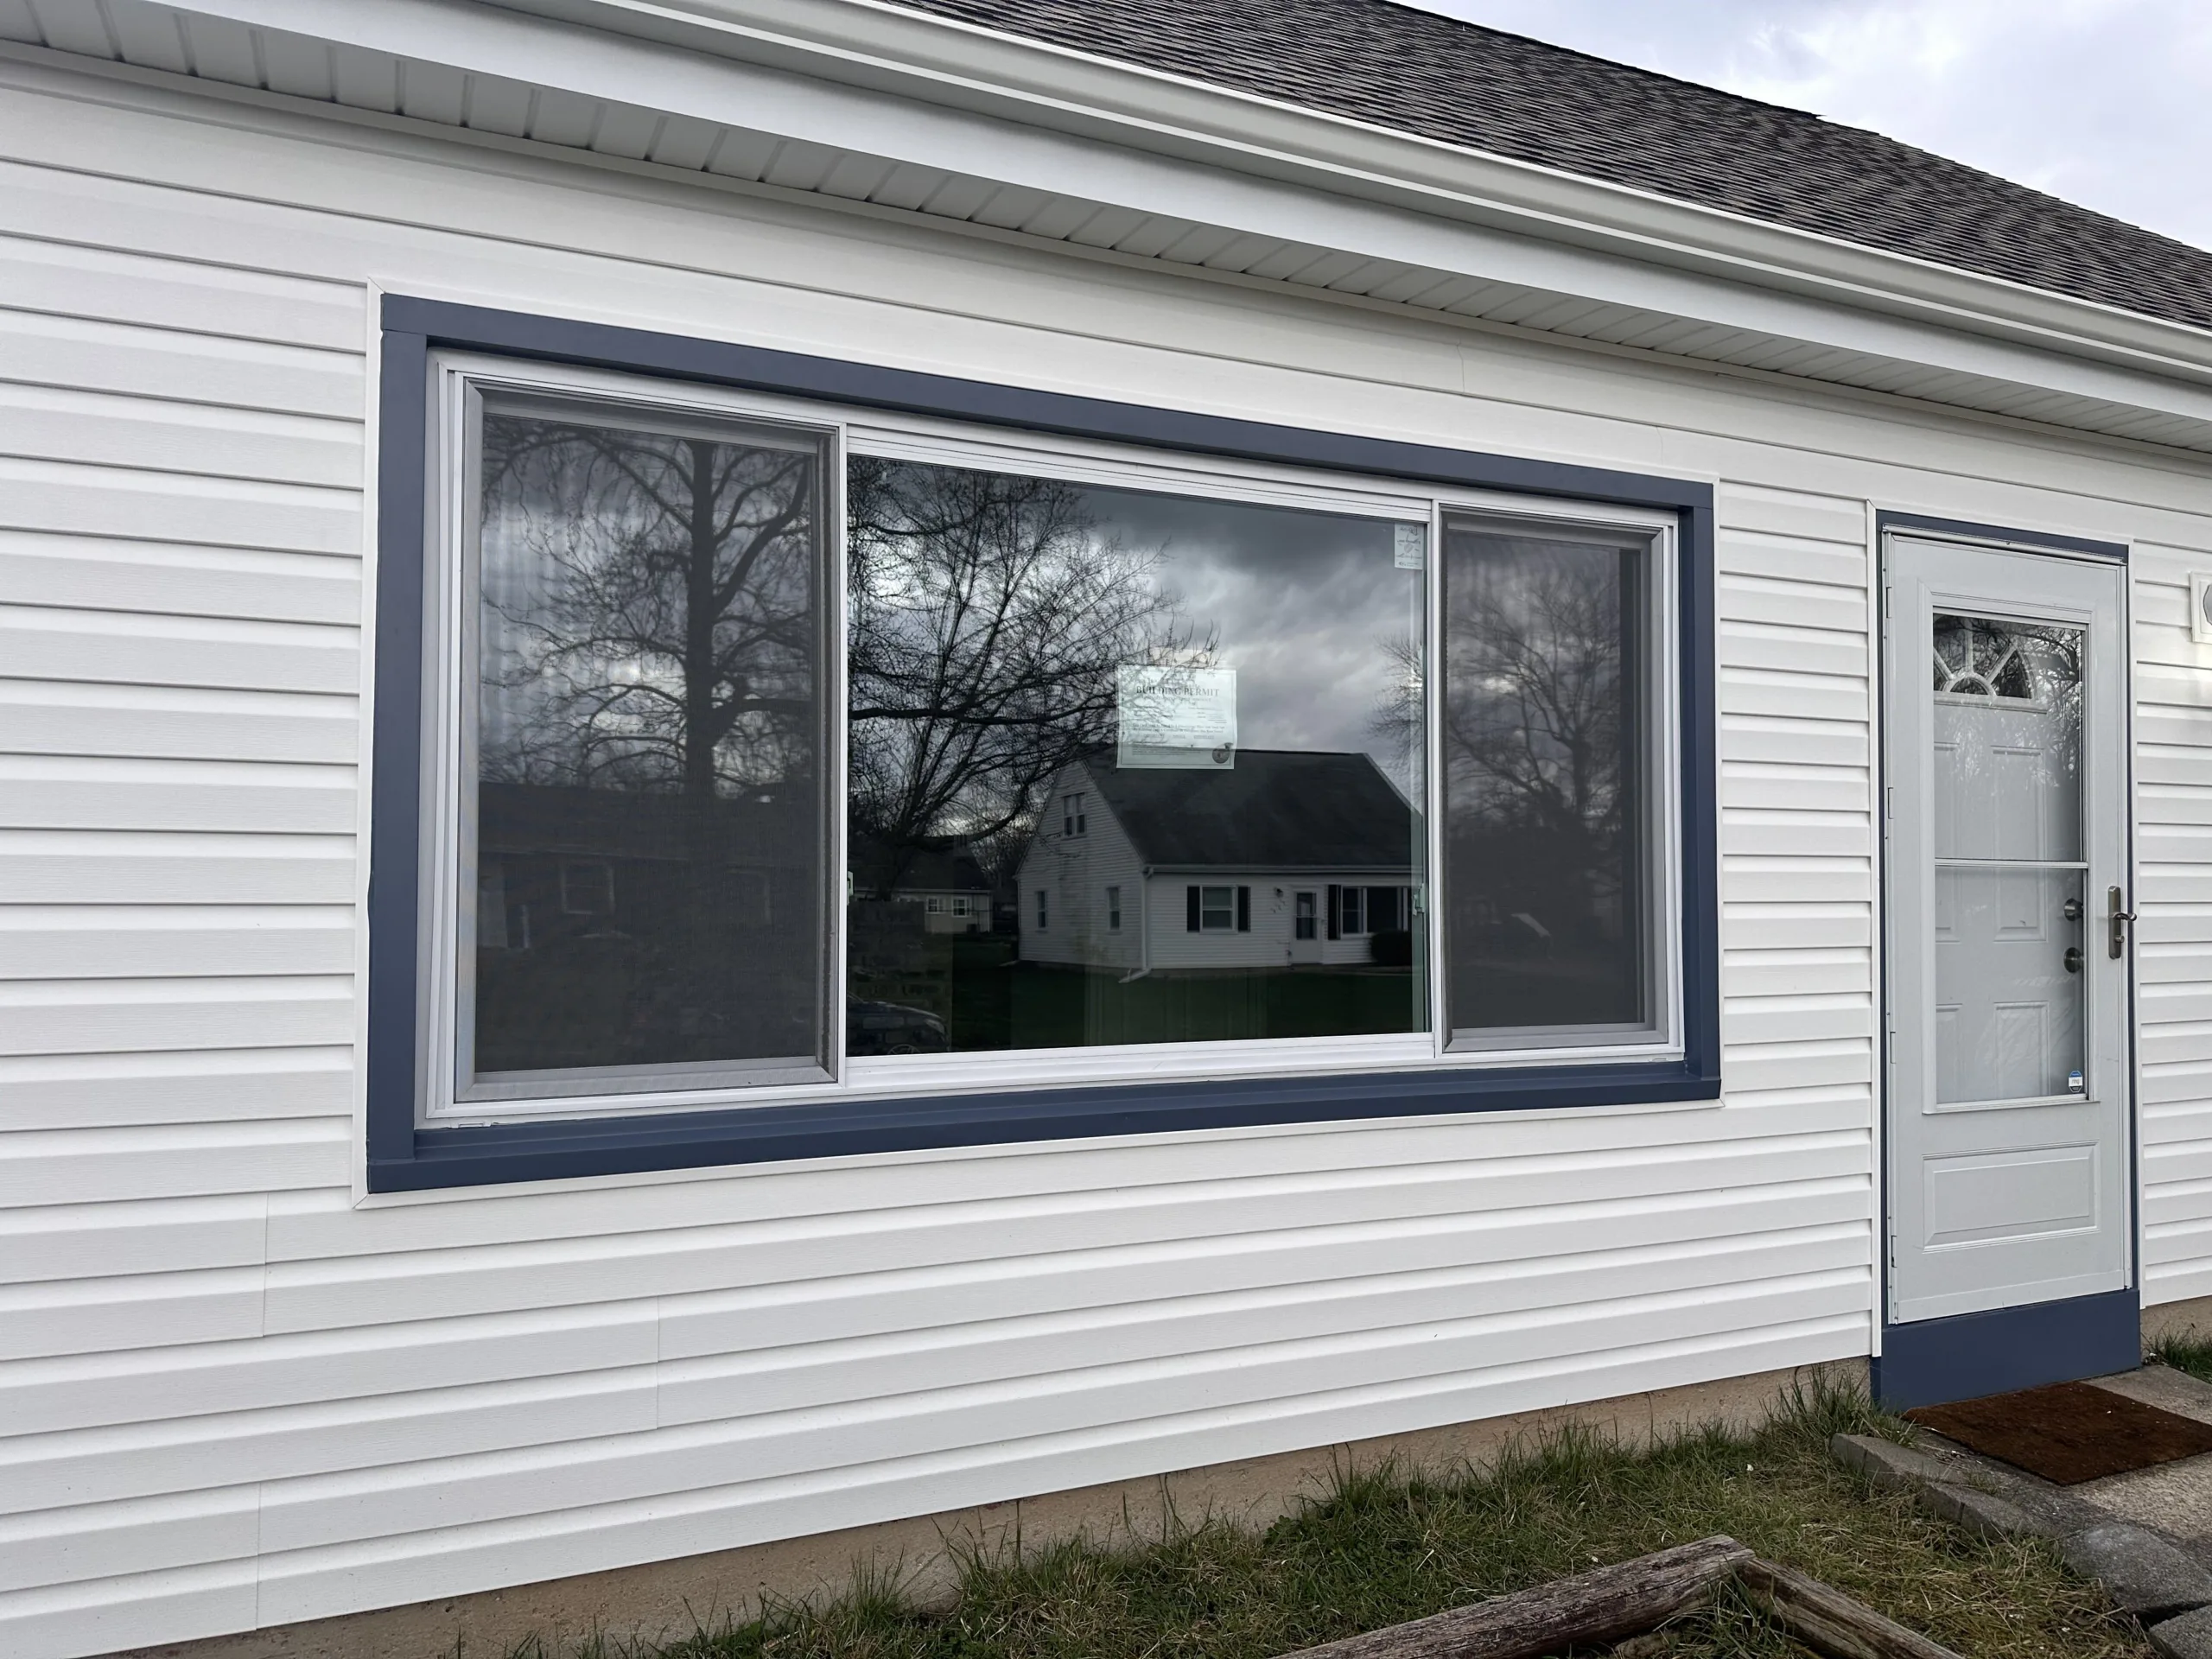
2069, 1432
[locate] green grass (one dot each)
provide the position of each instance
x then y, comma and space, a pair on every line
990, 1002
2185, 1350
1385, 1545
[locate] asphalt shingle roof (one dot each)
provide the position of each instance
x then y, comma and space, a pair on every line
1437, 78
1276, 809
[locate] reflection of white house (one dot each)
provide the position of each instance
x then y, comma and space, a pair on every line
951, 889
942, 880
1290, 858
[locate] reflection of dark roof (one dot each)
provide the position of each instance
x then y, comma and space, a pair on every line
561, 821
1414, 71
1277, 808
931, 867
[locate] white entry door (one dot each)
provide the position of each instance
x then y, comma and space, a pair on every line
2009, 944
1305, 925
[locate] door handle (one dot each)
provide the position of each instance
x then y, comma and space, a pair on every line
2119, 920
2072, 958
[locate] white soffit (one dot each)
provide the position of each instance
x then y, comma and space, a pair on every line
1937, 335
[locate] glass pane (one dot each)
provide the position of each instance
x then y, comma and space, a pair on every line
650, 871
2009, 979
2011, 920
2008, 740
1152, 739
1543, 743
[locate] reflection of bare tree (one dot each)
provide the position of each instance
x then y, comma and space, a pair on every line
650, 617
650, 629
987, 618
1533, 711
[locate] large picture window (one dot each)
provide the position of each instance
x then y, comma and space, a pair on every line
781, 755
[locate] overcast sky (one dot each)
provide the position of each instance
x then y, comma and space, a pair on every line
1304, 606
2107, 103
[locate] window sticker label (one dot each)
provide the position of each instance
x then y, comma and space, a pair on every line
1175, 718
1409, 548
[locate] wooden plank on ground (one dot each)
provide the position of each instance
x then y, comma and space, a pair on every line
1588, 1610
1827, 1621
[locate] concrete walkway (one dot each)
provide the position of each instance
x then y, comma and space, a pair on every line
2173, 1498
2147, 1535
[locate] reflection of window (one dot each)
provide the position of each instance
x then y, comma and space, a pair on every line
1304, 919
1351, 911
1113, 909
588, 889
1217, 910
1072, 818
1044, 910
1549, 874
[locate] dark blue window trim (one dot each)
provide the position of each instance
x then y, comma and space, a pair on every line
403, 1158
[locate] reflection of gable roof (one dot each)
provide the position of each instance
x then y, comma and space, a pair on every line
931, 867
1276, 808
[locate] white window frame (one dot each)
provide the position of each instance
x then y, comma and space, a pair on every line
1228, 910
447, 923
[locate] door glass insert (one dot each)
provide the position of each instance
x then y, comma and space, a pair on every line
2010, 920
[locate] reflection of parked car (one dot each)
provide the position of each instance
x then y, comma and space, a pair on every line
891, 1028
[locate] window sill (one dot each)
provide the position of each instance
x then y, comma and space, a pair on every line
569, 1149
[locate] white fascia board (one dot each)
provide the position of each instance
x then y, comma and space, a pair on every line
860, 76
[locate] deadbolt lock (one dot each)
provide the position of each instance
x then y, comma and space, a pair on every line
2071, 910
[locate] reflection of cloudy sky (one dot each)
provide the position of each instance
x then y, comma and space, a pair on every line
1305, 604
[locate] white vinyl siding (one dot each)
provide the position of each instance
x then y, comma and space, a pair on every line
2173, 901
1267, 944
231, 1397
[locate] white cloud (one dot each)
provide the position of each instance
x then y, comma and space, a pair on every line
2107, 103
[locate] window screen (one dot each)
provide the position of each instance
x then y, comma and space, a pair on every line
646, 805
1545, 739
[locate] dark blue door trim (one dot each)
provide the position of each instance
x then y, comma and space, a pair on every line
1933, 1362
402, 1157
2026, 541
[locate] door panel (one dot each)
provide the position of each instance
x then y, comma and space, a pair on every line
2007, 1083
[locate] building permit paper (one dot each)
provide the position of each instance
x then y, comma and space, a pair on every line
1175, 717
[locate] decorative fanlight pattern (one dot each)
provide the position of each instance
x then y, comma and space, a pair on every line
1978, 658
